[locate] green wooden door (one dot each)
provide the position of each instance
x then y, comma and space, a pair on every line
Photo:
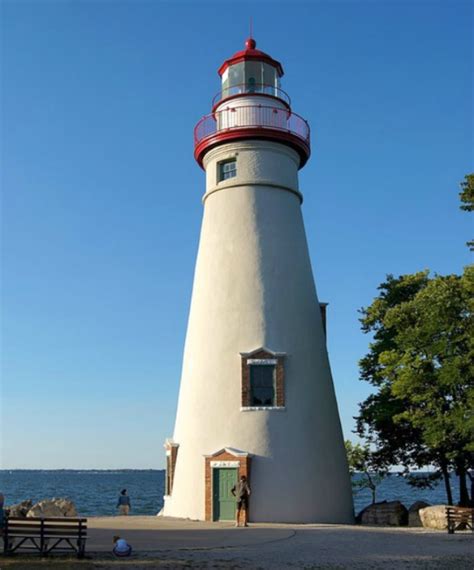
224, 502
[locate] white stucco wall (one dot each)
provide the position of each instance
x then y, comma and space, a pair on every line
253, 287
251, 100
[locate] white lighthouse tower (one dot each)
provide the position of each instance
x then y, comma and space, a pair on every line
256, 395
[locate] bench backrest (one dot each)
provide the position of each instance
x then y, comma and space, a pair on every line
459, 511
46, 527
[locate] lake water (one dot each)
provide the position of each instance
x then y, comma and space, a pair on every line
96, 492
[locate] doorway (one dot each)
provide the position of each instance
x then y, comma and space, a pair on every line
224, 503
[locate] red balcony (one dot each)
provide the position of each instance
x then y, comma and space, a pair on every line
252, 122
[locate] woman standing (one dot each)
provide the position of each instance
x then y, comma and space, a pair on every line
123, 503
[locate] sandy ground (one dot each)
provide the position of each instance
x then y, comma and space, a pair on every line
169, 543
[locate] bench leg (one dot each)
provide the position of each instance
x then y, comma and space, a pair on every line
8, 545
81, 547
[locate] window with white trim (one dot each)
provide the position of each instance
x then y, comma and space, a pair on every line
226, 169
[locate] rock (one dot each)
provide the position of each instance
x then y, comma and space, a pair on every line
67, 507
53, 508
45, 508
386, 513
20, 509
413, 514
434, 517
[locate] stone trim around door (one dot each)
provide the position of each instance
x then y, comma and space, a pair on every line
262, 356
225, 463
226, 457
171, 456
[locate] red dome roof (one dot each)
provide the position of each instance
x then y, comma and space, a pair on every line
249, 54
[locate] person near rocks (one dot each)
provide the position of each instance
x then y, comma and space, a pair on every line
121, 547
242, 491
123, 503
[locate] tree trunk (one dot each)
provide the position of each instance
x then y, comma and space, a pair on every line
372, 486
471, 479
447, 482
463, 494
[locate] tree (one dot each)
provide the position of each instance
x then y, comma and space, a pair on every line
421, 363
396, 442
467, 199
362, 461
467, 193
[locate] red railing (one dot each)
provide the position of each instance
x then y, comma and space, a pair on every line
251, 89
251, 117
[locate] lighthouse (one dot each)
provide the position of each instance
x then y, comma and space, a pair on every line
256, 395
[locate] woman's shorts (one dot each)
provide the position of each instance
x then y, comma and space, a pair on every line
243, 503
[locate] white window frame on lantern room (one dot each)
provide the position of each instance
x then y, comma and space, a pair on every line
226, 169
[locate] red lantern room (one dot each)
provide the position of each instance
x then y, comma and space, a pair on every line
250, 71
251, 105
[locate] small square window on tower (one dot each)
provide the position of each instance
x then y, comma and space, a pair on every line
226, 169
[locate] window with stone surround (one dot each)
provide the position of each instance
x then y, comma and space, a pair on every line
262, 380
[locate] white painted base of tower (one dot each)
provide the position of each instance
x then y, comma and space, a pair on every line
253, 287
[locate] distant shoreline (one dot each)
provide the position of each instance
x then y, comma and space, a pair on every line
94, 491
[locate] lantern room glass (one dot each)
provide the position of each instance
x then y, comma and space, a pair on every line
250, 77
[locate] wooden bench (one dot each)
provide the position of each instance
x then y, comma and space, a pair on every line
45, 535
459, 518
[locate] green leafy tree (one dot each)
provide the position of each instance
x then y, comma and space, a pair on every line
421, 364
467, 193
362, 462
467, 199
395, 442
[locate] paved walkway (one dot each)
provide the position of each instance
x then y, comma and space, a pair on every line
219, 545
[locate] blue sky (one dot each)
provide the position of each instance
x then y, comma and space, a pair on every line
102, 197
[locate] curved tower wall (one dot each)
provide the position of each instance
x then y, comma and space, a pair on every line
253, 287
251, 101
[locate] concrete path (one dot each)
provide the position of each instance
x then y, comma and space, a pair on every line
157, 534
219, 545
